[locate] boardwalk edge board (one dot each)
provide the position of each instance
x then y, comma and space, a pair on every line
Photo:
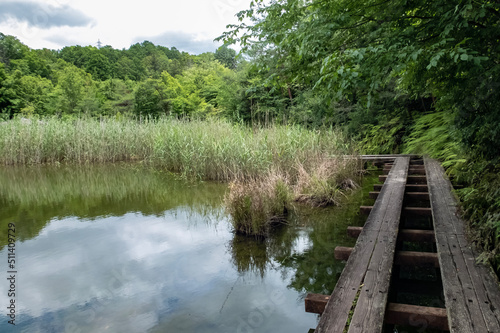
472, 295
369, 266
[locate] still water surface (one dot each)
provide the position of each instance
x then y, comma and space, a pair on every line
125, 248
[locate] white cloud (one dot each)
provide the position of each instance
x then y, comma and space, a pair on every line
193, 24
42, 16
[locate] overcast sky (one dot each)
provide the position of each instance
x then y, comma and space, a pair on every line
189, 25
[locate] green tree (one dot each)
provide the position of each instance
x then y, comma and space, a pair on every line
6, 103
98, 65
150, 99
36, 94
226, 56
74, 89
11, 49
156, 64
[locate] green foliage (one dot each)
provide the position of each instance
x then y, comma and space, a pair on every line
75, 91
433, 134
382, 139
11, 49
150, 100
6, 102
481, 205
226, 56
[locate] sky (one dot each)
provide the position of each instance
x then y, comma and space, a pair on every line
189, 25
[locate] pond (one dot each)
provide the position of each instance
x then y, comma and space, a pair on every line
127, 248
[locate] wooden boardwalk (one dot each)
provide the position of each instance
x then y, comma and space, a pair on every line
470, 289
360, 301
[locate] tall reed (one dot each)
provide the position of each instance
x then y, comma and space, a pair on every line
214, 149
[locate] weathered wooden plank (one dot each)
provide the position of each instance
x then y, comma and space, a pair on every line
365, 210
417, 196
409, 187
409, 235
417, 316
388, 156
414, 179
422, 196
405, 258
420, 211
458, 316
354, 232
412, 165
412, 258
471, 292
316, 303
371, 305
337, 310
411, 171
415, 235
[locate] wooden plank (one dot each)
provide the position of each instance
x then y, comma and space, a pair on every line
365, 210
420, 211
388, 156
370, 261
409, 187
408, 235
370, 309
420, 196
416, 188
316, 303
404, 258
412, 166
412, 258
411, 171
414, 235
354, 232
342, 252
417, 316
471, 292
414, 179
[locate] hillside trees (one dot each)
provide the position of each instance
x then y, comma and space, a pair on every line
144, 80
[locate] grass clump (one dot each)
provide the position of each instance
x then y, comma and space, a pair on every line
325, 181
257, 204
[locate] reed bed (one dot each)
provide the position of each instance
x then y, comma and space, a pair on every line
269, 168
215, 149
